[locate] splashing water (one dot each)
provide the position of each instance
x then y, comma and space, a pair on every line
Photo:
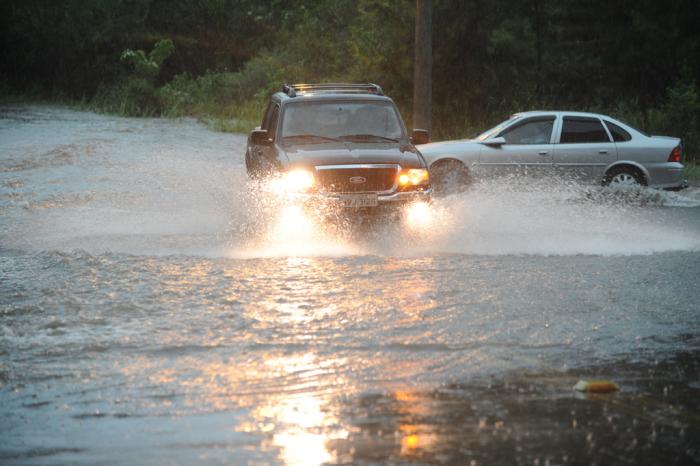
163, 187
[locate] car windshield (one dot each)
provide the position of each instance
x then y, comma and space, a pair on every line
341, 121
493, 132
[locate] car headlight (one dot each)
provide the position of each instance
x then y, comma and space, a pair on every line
413, 177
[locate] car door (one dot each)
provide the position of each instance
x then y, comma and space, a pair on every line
583, 149
527, 149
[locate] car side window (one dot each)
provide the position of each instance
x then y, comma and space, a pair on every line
531, 131
272, 123
266, 118
619, 134
582, 130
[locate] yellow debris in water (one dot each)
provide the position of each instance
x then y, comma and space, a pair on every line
596, 386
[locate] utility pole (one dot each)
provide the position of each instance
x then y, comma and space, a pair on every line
423, 66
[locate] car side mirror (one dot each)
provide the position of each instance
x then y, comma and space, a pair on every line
260, 137
420, 136
495, 142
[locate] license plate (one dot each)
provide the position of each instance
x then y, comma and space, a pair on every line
359, 200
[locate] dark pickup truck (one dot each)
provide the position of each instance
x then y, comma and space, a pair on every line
345, 143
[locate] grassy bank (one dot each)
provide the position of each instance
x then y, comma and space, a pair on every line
692, 171
9, 98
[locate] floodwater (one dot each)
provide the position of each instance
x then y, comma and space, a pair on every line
156, 308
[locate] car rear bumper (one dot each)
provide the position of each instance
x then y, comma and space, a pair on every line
668, 175
680, 187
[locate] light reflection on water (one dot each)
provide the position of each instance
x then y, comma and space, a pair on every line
303, 426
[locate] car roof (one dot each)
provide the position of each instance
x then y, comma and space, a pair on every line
560, 112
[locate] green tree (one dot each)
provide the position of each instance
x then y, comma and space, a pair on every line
148, 66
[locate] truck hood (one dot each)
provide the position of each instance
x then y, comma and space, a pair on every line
351, 153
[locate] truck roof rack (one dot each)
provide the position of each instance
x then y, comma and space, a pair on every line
331, 88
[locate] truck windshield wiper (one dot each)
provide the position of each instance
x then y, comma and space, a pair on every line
310, 136
366, 137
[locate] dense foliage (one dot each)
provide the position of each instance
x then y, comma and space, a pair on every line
635, 59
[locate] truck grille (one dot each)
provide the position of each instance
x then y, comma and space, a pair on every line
356, 178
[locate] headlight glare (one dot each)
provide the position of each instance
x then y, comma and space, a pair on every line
299, 180
413, 177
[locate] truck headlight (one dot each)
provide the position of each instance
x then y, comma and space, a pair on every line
292, 182
298, 180
413, 177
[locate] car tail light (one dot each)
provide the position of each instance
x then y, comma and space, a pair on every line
675, 154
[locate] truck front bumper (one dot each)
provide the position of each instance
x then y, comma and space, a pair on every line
397, 198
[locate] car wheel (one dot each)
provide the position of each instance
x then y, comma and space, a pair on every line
624, 177
448, 177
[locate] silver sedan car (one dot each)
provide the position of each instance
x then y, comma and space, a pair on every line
587, 146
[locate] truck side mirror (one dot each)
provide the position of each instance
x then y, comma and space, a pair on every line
259, 137
420, 136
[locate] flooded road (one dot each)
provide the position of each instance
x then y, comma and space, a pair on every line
157, 309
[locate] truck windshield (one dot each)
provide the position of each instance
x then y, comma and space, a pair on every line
342, 121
